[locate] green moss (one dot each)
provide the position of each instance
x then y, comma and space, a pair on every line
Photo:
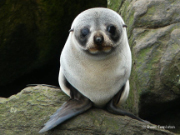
143, 34
142, 55
130, 23
114, 4
18, 110
124, 10
151, 11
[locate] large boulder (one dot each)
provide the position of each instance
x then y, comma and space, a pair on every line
154, 37
26, 113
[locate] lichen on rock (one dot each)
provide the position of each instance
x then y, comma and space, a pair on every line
153, 31
26, 113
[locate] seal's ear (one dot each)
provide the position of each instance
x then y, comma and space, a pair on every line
124, 25
71, 30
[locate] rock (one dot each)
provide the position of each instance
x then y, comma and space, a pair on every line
154, 37
26, 112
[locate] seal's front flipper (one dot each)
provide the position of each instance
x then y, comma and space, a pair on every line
112, 105
69, 109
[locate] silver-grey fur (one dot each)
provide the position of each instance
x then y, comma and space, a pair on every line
99, 77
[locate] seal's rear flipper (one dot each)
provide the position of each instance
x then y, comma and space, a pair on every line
115, 110
112, 106
69, 109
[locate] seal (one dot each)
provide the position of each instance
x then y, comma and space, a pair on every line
95, 66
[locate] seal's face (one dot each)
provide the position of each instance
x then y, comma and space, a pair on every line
98, 32
96, 41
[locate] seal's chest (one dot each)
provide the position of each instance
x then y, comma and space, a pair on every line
98, 83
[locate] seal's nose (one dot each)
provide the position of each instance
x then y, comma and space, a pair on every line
98, 39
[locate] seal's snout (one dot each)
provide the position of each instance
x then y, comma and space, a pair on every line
98, 39
99, 44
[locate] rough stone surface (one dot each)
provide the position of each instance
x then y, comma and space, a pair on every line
154, 37
26, 112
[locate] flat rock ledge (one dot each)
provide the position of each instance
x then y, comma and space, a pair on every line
26, 112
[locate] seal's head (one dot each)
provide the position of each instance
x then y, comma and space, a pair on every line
98, 31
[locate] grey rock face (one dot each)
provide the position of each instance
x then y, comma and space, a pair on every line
154, 36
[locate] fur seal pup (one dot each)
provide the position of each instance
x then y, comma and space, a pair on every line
95, 66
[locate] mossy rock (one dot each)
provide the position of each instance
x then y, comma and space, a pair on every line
153, 31
26, 113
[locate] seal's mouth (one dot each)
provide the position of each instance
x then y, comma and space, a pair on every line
95, 50
100, 53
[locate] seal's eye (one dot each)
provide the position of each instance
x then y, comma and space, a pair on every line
111, 29
84, 32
